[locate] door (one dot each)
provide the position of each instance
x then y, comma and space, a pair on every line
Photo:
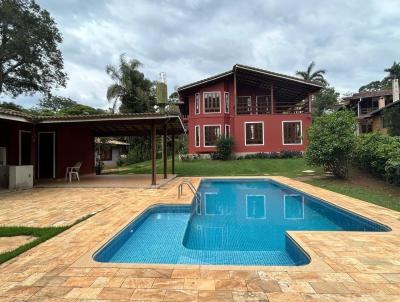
46, 154
25, 148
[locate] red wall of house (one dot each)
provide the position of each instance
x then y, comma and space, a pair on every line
272, 122
9, 138
73, 144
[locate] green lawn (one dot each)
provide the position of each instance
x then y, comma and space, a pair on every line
291, 167
41, 234
376, 192
359, 185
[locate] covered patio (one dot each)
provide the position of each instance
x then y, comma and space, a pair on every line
48, 145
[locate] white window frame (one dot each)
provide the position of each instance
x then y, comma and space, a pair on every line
226, 102
204, 134
20, 145
265, 207
245, 133
195, 133
249, 105
301, 133
284, 207
205, 204
197, 102
268, 101
204, 102
229, 130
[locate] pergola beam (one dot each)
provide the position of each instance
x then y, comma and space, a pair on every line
173, 154
165, 151
153, 154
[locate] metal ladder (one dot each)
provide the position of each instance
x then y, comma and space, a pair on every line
192, 189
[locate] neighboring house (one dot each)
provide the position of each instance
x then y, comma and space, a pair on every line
369, 105
263, 111
110, 151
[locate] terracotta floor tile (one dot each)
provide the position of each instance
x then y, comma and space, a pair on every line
148, 294
329, 288
79, 281
215, 296
168, 283
246, 275
296, 287
249, 296
22, 291
214, 274
233, 285
108, 282
181, 295
268, 286
199, 284
285, 297
52, 292
186, 273
113, 293
137, 282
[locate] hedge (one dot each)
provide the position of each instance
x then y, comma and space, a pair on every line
379, 154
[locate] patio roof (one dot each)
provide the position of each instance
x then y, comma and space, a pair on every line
289, 88
125, 124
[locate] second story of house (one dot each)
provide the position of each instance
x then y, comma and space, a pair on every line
247, 103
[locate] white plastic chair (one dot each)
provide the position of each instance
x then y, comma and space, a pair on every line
74, 170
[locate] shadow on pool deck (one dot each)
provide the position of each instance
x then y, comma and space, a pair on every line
107, 181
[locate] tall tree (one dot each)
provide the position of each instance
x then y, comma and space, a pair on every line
30, 60
135, 92
394, 71
56, 103
326, 99
311, 75
386, 82
11, 105
392, 119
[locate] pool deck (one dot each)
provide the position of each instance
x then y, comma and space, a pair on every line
345, 266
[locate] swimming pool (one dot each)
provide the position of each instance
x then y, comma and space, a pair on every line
234, 222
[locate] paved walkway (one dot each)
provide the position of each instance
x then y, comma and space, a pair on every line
349, 266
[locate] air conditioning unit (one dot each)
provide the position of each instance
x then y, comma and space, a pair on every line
21, 177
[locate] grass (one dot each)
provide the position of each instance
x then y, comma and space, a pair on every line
376, 191
290, 167
41, 234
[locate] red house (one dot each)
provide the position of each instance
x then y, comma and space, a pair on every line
262, 110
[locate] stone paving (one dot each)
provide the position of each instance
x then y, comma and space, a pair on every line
11, 243
345, 266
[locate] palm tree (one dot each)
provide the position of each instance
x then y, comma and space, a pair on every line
131, 88
314, 76
394, 71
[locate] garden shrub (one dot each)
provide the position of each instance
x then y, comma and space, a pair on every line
379, 154
331, 140
271, 155
224, 148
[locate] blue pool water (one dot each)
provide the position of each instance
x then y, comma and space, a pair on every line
236, 222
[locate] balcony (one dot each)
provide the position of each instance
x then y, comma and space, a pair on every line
246, 107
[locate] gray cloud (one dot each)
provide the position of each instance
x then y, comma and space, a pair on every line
192, 39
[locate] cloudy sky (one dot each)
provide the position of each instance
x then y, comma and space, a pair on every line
192, 39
